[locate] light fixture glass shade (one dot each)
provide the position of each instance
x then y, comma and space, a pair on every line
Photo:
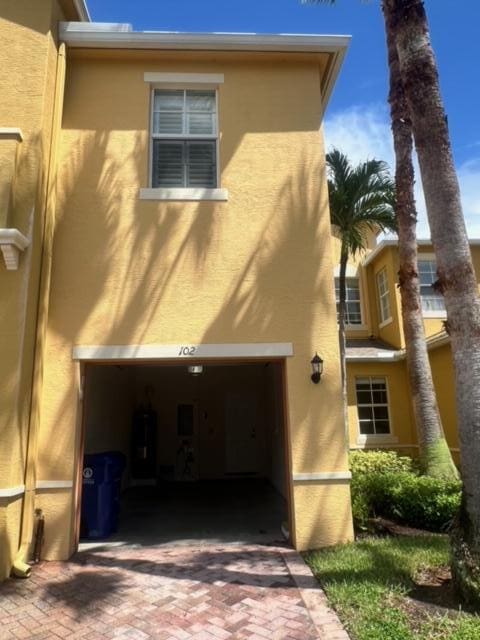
317, 368
195, 369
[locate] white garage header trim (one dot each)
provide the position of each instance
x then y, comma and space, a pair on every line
184, 351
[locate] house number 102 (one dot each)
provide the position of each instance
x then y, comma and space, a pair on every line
187, 351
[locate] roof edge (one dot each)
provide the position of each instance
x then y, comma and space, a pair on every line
391, 242
83, 12
121, 36
114, 36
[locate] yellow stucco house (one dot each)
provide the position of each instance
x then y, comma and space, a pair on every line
380, 409
165, 240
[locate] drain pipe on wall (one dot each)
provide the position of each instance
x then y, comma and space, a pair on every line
21, 568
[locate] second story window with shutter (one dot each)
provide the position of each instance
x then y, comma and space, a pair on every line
184, 138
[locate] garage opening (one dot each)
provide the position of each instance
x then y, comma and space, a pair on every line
204, 448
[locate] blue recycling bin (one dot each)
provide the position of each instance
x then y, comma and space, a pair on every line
102, 476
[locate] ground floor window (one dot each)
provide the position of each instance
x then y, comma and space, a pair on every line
372, 403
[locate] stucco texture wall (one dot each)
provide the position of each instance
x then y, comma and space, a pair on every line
257, 268
402, 422
28, 54
444, 380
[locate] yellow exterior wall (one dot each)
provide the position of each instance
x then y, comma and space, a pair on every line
28, 54
402, 423
257, 268
392, 332
365, 329
444, 381
440, 357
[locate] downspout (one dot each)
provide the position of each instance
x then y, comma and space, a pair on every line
20, 567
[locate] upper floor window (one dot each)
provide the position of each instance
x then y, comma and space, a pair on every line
184, 138
372, 404
432, 302
353, 310
383, 295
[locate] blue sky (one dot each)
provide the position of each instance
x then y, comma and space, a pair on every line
357, 117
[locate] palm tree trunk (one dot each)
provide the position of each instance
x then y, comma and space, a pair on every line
456, 276
342, 282
435, 455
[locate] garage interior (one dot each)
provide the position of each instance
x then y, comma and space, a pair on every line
204, 446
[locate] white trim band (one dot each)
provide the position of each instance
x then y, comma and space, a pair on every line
12, 492
185, 351
12, 133
182, 194
184, 78
53, 484
11, 243
389, 356
323, 476
122, 36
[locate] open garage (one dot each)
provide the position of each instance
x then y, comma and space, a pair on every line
203, 448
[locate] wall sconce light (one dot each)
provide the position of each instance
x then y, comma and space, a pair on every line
195, 369
317, 368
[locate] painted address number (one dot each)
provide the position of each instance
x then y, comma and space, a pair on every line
187, 351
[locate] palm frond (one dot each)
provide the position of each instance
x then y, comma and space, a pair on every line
362, 198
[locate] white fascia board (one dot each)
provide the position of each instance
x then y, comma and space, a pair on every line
186, 351
392, 356
81, 7
330, 77
91, 36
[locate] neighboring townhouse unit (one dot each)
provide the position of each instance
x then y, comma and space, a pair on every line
380, 408
167, 245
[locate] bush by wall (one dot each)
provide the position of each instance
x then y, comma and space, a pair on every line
386, 484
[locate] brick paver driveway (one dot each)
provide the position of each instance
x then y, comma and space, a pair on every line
210, 592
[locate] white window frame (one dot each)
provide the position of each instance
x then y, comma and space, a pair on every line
359, 325
382, 274
183, 82
436, 313
365, 438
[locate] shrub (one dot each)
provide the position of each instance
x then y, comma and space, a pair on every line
379, 462
421, 501
385, 484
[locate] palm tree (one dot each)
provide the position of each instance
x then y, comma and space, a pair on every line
407, 23
435, 456
360, 202
456, 276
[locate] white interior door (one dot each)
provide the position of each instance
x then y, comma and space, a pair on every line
242, 442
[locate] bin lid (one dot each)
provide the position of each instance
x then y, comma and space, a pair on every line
116, 458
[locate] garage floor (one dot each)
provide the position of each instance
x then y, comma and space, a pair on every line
248, 511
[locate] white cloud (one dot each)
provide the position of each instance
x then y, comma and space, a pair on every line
363, 132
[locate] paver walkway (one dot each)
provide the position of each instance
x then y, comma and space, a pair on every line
211, 592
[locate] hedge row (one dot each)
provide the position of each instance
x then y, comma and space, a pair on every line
386, 484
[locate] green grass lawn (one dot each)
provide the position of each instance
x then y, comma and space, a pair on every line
394, 589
